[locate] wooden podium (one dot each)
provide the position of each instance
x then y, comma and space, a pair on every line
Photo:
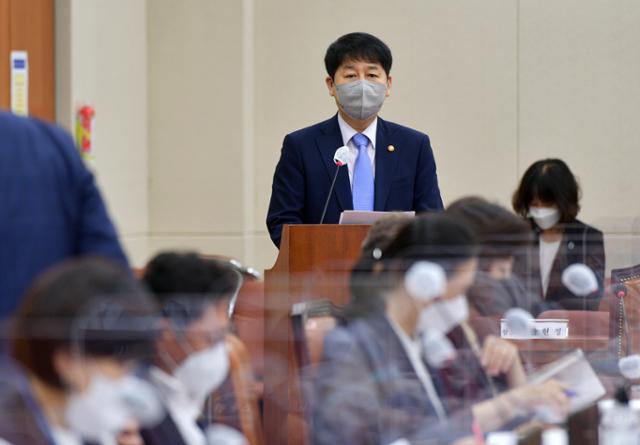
314, 263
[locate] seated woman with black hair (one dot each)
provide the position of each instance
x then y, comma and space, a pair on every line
379, 381
76, 339
549, 198
501, 235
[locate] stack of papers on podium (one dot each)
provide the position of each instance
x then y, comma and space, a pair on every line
365, 217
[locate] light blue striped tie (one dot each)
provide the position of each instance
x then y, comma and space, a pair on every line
362, 189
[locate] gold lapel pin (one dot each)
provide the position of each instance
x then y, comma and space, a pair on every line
391, 148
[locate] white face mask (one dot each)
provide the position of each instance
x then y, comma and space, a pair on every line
545, 217
442, 316
204, 371
107, 406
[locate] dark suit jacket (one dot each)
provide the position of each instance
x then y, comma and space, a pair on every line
50, 207
366, 392
405, 179
580, 243
164, 433
492, 297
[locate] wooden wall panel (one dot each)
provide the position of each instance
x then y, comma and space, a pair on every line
5, 35
32, 31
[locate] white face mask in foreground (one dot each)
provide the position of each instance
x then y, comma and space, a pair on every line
444, 315
107, 406
204, 371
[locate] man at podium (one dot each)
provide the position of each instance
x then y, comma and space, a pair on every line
388, 167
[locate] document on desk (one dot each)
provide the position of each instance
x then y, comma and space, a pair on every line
574, 371
366, 217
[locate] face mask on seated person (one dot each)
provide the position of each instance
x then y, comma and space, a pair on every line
545, 217
444, 315
202, 372
108, 405
361, 99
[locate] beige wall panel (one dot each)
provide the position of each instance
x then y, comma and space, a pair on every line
195, 126
102, 59
454, 78
579, 96
137, 248
230, 245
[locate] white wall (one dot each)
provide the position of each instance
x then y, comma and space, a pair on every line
101, 57
579, 99
195, 125
497, 84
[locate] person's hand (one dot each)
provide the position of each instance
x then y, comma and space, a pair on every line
549, 396
498, 356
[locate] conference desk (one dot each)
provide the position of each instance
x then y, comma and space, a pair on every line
314, 262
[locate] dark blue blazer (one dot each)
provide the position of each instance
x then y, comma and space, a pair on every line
366, 392
405, 179
50, 207
580, 243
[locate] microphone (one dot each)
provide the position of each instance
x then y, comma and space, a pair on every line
629, 367
341, 157
619, 290
580, 280
519, 321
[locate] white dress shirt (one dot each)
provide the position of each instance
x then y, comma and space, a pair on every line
181, 407
347, 135
548, 252
412, 349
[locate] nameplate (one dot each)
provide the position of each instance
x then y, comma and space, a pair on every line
550, 329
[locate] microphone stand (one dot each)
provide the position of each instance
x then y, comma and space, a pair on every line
333, 183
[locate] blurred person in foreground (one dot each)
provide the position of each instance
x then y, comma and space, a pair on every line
501, 235
548, 197
380, 380
484, 362
50, 206
79, 335
191, 359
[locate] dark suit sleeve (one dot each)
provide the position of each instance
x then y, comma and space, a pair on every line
595, 258
426, 195
287, 192
345, 407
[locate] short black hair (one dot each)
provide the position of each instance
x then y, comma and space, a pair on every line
552, 182
357, 46
90, 305
188, 275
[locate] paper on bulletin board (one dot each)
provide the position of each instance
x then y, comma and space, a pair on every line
19, 83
